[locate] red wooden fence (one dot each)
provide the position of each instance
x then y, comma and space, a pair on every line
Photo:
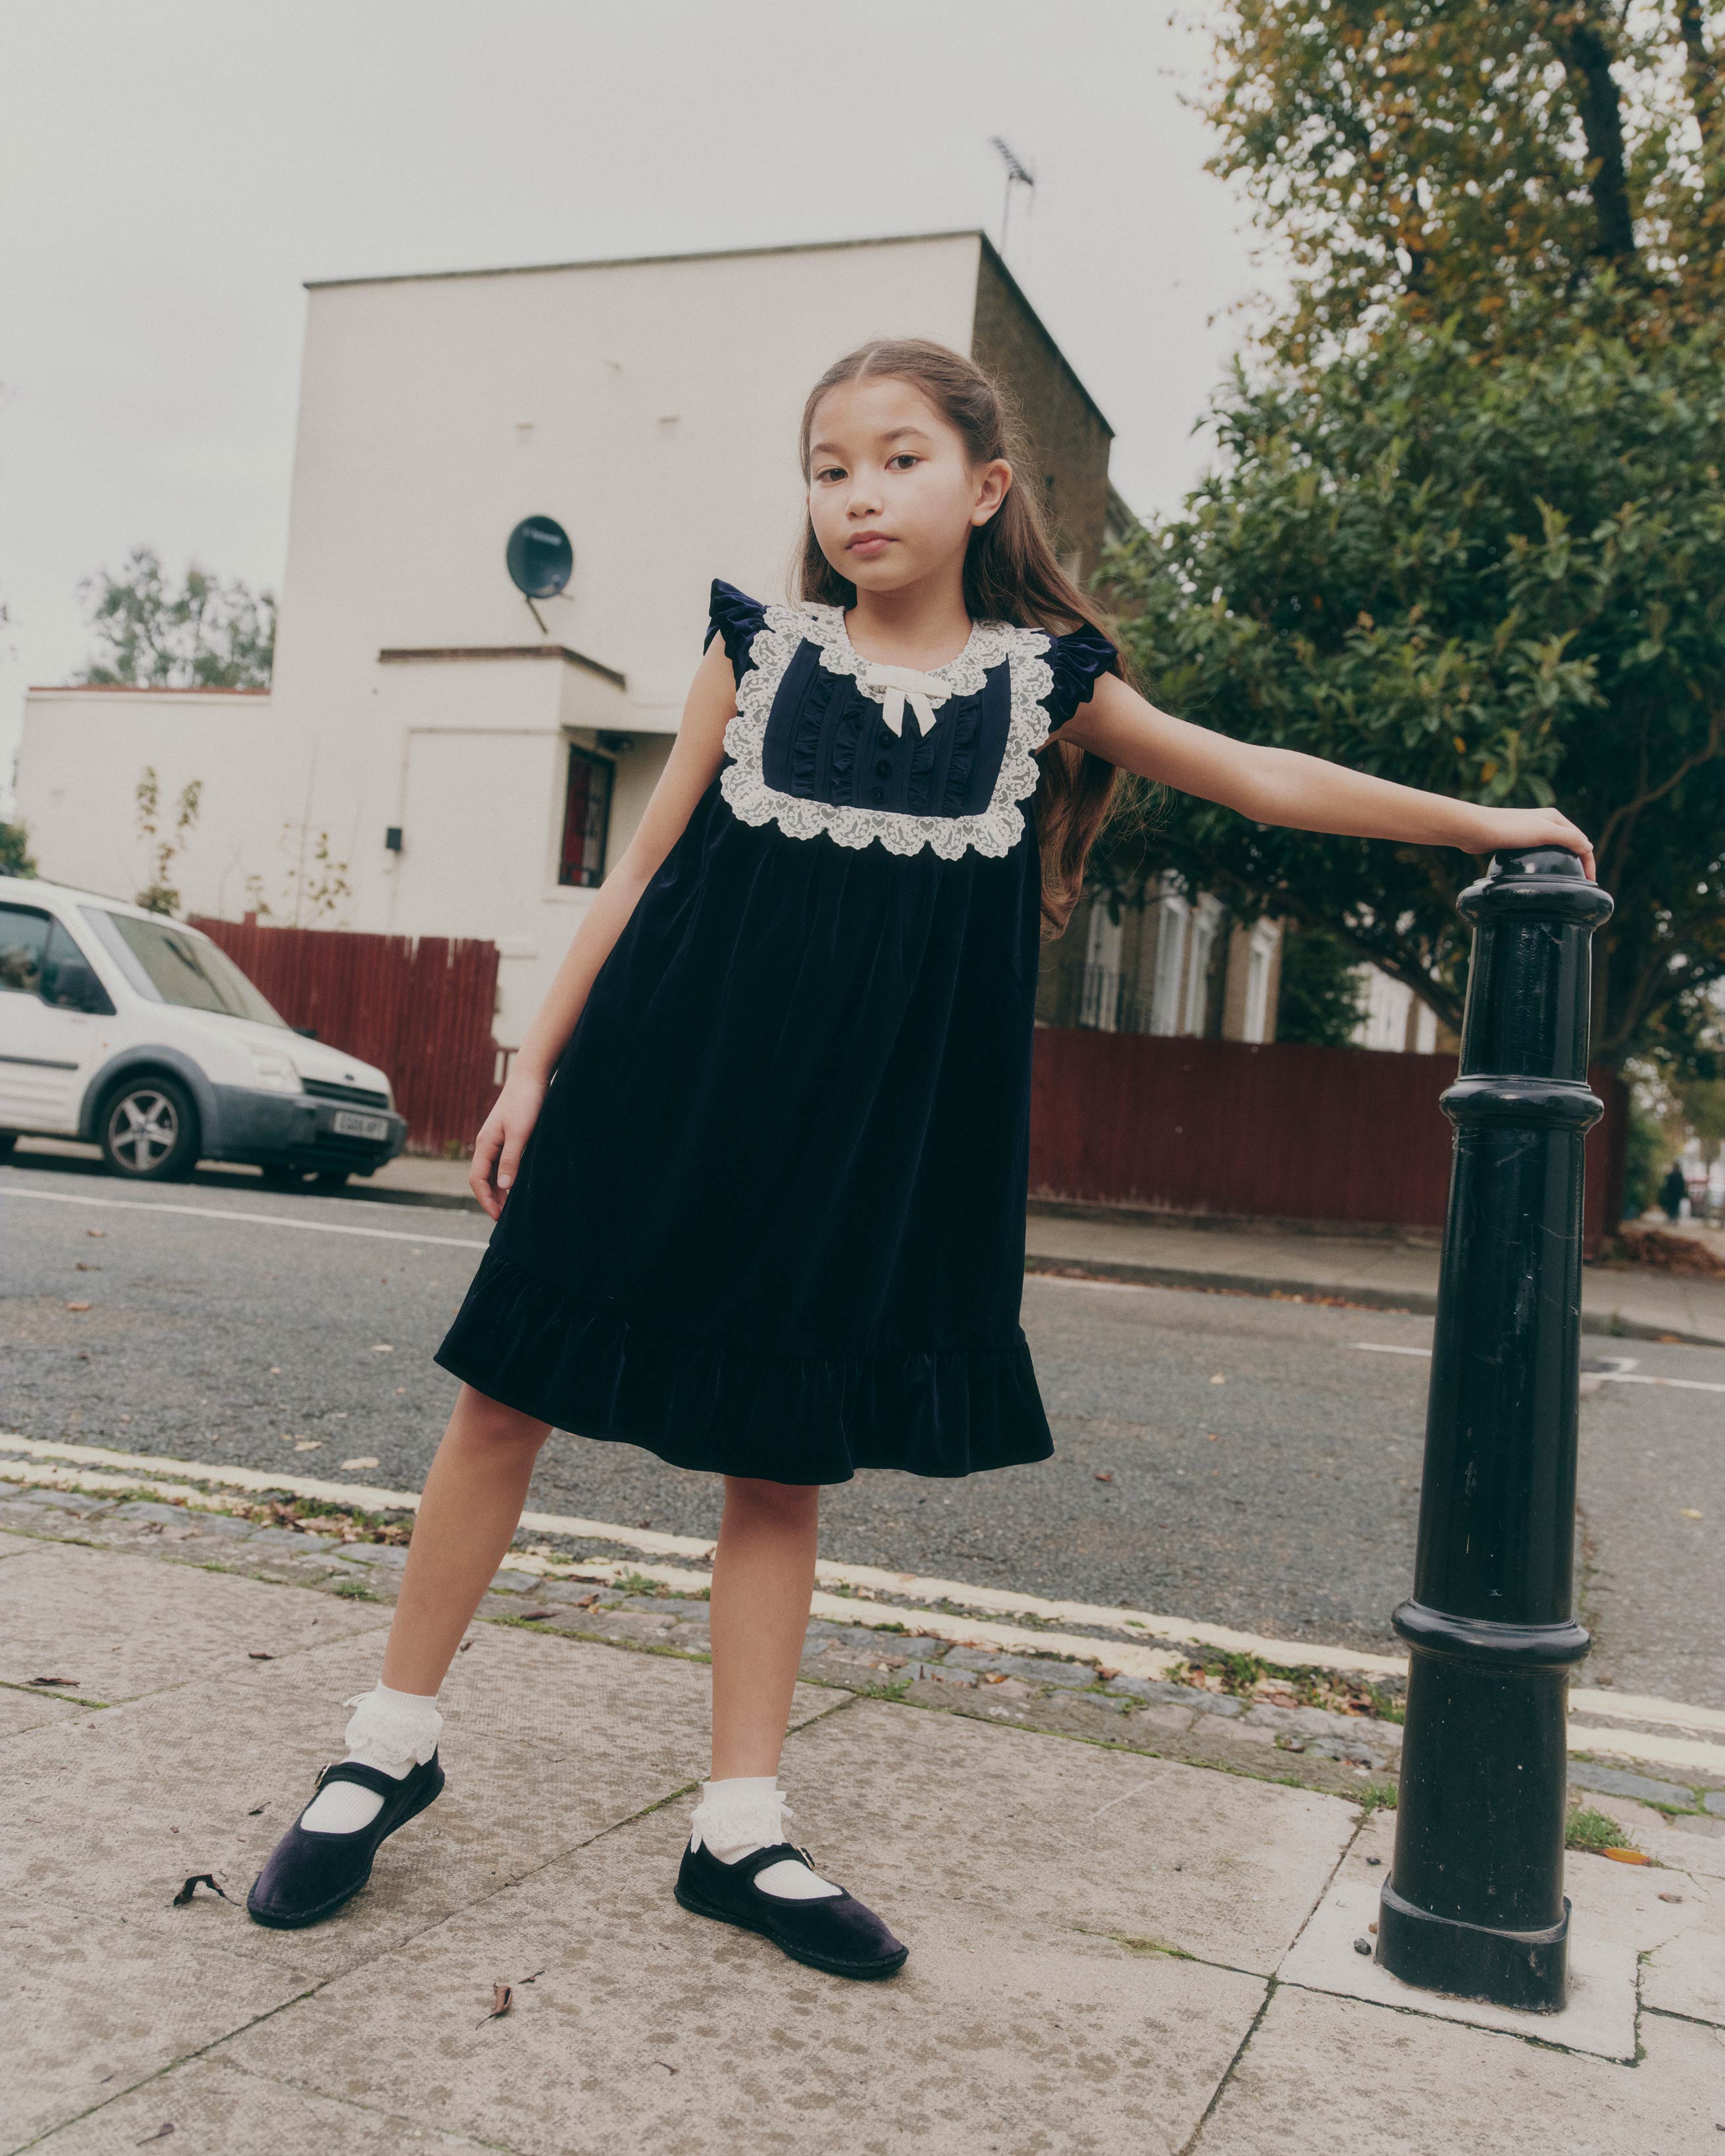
1280, 1131
420, 1008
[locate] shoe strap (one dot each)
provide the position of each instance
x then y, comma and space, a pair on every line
781, 1852
368, 1778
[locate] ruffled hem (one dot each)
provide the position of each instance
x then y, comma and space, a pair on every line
587, 1367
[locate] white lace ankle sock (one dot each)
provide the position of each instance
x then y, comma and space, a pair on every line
394, 1732
747, 1812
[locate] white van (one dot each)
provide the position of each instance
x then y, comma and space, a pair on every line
140, 1036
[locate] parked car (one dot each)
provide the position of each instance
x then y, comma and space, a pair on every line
140, 1036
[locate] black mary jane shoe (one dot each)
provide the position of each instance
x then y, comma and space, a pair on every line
310, 1875
834, 1932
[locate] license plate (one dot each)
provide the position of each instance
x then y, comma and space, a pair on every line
348, 1124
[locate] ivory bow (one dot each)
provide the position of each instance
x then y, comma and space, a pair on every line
923, 691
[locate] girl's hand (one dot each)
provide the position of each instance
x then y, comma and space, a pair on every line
497, 1150
1532, 827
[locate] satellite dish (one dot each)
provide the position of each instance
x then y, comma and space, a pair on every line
540, 559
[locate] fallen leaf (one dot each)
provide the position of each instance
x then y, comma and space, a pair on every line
83, 1266
97, 1232
77, 1306
1671, 1897
399, 1390
308, 1445
382, 1348
529, 1616
364, 1459
1213, 1437
1104, 1672
1627, 1855
256, 1810
464, 1646
501, 1994
1219, 1379
72, 1681
275, 1369
259, 1654
1686, 1514
1103, 1478
160, 2133
197, 1879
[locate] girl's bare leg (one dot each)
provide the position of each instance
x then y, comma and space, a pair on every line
763, 1573
468, 1515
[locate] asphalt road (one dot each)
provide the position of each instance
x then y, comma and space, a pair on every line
1247, 1462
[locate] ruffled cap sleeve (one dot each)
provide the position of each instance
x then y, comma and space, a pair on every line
735, 616
1076, 661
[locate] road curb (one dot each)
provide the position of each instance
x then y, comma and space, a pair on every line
1413, 1301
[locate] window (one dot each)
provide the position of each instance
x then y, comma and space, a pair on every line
1172, 916
587, 819
23, 938
68, 980
173, 965
1260, 951
1100, 1007
1206, 920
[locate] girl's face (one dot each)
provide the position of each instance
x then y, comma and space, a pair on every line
893, 495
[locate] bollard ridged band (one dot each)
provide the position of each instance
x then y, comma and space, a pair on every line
1565, 1103
1494, 1645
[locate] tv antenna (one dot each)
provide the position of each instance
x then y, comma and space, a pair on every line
1018, 175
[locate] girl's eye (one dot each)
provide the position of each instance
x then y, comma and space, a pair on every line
830, 471
903, 460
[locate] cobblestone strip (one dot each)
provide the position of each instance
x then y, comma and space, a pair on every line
1257, 1727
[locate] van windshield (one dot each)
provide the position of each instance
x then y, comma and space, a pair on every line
172, 965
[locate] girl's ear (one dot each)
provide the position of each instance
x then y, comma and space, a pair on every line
994, 484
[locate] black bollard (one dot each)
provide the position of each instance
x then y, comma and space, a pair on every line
1474, 1903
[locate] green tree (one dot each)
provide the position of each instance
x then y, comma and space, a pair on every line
1322, 999
164, 838
15, 851
1497, 159
205, 634
1504, 581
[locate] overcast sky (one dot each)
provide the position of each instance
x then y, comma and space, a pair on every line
171, 172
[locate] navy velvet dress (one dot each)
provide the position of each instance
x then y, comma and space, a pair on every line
770, 1220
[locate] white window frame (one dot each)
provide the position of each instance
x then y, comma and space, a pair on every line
1261, 949
1100, 1004
1173, 916
1206, 927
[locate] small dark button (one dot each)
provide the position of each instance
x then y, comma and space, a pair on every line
883, 768
877, 794
884, 739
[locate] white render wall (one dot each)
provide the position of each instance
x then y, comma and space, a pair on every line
651, 407
82, 755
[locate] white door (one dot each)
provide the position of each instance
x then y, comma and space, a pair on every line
47, 1046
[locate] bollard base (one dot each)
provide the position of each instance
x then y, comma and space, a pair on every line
1525, 1970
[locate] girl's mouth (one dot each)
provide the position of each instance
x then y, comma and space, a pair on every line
867, 542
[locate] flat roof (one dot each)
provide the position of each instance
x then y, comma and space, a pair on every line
128, 688
732, 255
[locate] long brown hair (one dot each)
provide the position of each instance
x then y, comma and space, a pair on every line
1010, 574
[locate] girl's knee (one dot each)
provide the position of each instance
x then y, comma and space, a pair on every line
782, 1500
488, 1422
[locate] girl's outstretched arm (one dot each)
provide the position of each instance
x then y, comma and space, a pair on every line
693, 764
1280, 786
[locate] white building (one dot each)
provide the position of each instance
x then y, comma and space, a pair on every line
434, 759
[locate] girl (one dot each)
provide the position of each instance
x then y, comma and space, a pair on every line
764, 1150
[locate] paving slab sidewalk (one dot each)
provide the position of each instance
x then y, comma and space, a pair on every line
1110, 1950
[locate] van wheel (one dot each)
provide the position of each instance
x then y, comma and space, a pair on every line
149, 1130
8, 1139
333, 1178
